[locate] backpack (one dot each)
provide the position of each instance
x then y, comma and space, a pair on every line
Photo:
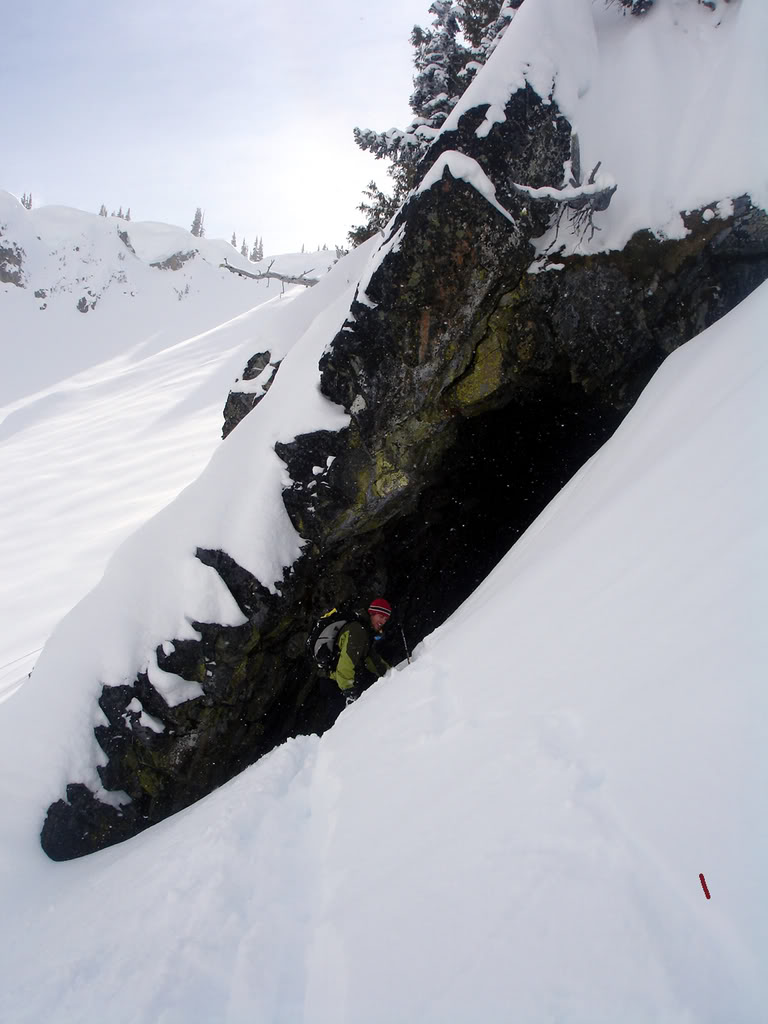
323, 640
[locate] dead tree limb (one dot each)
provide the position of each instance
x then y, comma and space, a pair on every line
267, 274
579, 202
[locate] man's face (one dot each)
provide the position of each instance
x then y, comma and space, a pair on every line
378, 621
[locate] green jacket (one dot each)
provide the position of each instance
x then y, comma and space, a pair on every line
356, 650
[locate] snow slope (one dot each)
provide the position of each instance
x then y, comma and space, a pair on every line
69, 255
108, 414
511, 828
584, 49
154, 586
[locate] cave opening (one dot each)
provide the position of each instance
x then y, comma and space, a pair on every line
504, 469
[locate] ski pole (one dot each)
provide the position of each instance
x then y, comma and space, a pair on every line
405, 645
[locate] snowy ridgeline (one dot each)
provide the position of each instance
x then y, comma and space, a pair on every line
512, 826
78, 289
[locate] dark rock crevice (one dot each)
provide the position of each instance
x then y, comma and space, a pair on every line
503, 468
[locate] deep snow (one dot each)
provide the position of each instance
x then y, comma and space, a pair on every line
672, 104
510, 828
109, 414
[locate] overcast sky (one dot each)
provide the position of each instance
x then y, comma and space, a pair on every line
243, 107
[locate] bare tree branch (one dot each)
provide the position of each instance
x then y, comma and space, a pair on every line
265, 274
595, 195
578, 202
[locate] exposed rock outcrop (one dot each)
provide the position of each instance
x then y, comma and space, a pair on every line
175, 261
476, 388
11, 262
240, 403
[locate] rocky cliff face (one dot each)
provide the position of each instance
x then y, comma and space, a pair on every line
476, 388
11, 262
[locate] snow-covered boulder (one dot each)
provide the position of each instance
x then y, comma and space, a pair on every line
469, 362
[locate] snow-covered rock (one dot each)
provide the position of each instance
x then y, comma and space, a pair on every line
517, 821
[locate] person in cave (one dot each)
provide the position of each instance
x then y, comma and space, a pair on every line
359, 664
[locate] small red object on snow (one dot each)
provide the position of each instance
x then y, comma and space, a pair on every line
703, 881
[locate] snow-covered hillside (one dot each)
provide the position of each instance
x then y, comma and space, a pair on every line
106, 415
510, 828
136, 295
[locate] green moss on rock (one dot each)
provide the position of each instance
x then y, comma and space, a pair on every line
389, 478
486, 374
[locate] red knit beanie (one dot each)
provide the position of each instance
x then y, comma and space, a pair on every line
381, 605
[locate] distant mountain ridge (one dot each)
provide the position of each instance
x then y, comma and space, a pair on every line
58, 250
111, 284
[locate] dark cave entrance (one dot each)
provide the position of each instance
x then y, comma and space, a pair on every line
504, 469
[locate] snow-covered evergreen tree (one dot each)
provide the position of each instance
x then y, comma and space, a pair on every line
377, 209
26, 201
128, 213
445, 64
475, 17
439, 59
103, 211
244, 249
491, 33
233, 240
197, 228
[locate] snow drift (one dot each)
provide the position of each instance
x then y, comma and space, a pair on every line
514, 824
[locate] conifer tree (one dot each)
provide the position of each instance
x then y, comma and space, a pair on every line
120, 213
244, 249
439, 59
476, 17
128, 213
261, 248
103, 211
233, 241
446, 57
254, 257
26, 201
491, 34
377, 211
198, 229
